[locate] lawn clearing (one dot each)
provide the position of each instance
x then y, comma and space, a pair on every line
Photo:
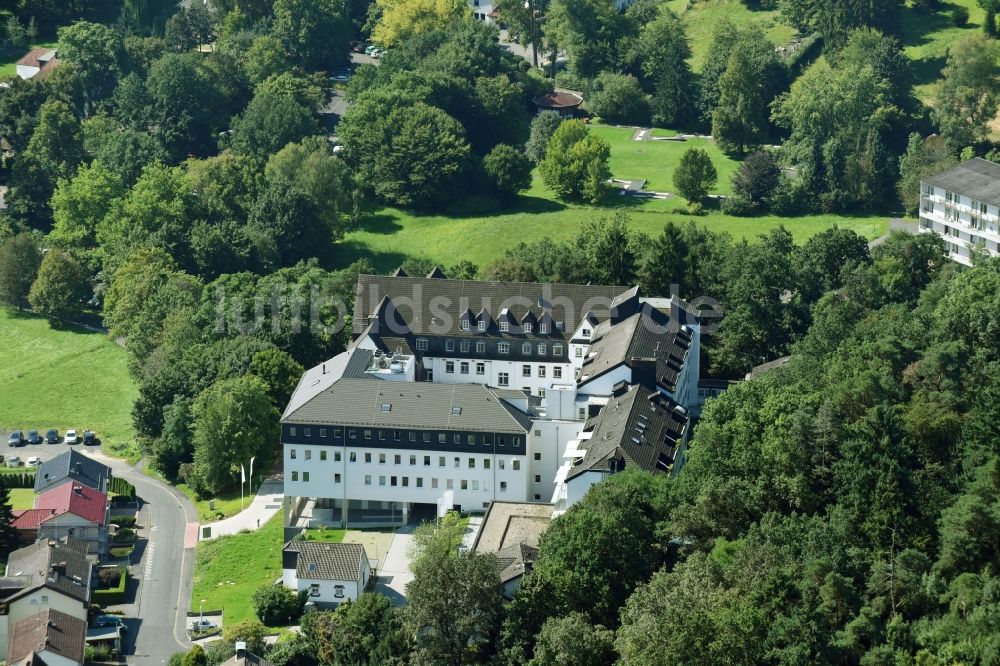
227, 505
701, 18
228, 570
657, 160
63, 378
926, 36
388, 236
22, 498
324, 534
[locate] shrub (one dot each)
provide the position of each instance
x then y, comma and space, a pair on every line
508, 170
959, 15
618, 98
757, 177
276, 605
251, 631
112, 595
124, 535
738, 206
109, 576
123, 521
790, 198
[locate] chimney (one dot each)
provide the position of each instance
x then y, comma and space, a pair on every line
241, 650
78, 490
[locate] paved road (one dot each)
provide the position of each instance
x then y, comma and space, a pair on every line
164, 596
895, 224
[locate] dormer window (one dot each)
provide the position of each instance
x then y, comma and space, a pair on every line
504, 326
543, 328
465, 324
585, 332
527, 327
481, 326
526, 349
449, 345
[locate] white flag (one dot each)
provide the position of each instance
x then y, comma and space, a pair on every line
243, 474
251, 465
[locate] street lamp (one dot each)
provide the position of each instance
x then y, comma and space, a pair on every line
201, 614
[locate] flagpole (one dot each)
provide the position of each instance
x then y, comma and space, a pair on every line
243, 480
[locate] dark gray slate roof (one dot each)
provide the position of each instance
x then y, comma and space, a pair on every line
48, 631
60, 566
976, 178
653, 343
465, 407
640, 427
515, 560
323, 561
352, 363
420, 302
73, 464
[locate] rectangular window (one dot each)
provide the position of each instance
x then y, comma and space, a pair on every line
541, 350
516, 465
354, 457
368, 457
541, 393
368, 434
420, 482
472, 463
541, 371
475, 485
526, 348
527, 327
307, 432
503, 347
397, 459
504, 326
543, 328
581, 413
585, 332
538, 456
291, 431
450, 484
396, 436
503, 486
368, 479
427, 437
393, 481
465, 484
381, 480
338, 591
322, 432
427, 461
525, 370
557, 350
440, 461
308, 454
322, 455
464, 346
557, 372
538, 478
352, 434
471, 439
465, 324
421, 344
442, 438
480, 368
449, 345
500, 464
381, 459
295, 476
537, 497
413, 460
406, 482
486, 463
458, 461
338, 433
336, 478
463, 368
480, 347
336, 456
457, 438
292, 454
579, 352
482, 326
503, 379
434, 482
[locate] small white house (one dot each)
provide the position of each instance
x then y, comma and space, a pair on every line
331, 573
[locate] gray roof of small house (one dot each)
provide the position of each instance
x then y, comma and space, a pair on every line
82, 469
640, 427
48, 631
317, 560
421, 405
976, 178
63, 567
507, 524
515, 560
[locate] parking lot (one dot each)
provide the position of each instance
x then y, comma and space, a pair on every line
44, 451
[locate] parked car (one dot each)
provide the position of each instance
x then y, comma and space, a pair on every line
342, 75
110, 621
71, 437
13, 461
34, 437
202, 625
34, 461
358, 47
16, 438
370, 48
89, 438
52, 436
377, 53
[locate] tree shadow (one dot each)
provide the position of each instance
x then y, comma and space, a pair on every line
916, 27
349, 251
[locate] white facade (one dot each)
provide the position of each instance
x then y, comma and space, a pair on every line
535, 377
329, 592
963, 222
482, 10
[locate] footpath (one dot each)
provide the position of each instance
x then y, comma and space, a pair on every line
266, 503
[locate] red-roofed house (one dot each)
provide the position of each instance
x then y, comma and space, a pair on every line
37, 62
71, 509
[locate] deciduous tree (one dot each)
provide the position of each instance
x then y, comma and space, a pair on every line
61, 287
695, 175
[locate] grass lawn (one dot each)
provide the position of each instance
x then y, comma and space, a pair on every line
926, 37
22, 498
228, 570
64, 377
387, 236
700, 19
324, 534
8, 59
657, 160
225, 506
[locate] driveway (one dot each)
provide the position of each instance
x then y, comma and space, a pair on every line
895, 224
395, 571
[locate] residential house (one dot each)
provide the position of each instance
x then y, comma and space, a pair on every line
512, 531
962, 206
331, 573
67, 510
37, 62
47, 575
49, 638
75, 467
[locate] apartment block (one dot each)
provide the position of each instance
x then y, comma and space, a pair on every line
962, 205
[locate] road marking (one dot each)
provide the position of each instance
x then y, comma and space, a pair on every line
190, 535
150, 553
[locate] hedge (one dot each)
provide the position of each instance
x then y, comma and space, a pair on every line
15, 478
123, 521
121, 487
114, 595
